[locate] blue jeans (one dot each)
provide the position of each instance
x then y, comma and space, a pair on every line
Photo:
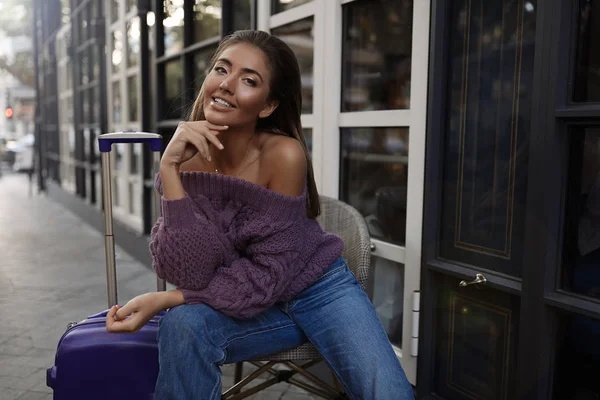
334, 313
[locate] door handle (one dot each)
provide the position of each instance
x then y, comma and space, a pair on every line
479, 278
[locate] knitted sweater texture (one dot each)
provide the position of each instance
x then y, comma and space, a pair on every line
237, 246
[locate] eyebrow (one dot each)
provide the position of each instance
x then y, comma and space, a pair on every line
248, 70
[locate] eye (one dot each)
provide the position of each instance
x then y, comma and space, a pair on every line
250, 81
220, 69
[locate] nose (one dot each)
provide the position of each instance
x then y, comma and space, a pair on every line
224, 85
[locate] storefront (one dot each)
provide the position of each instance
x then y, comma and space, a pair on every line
464, 131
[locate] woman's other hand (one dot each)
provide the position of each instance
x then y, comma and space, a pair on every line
190, 138
138, 311
134, 315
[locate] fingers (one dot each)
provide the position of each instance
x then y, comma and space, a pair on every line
123, 312
200, 143
121, 324
218, 128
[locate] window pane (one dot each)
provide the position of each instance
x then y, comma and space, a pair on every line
114, 10
130, 4
207, 19
242, 14
308, 137
587, 63
386, 290
173, 81
299, 36
84, 67
582, 222
132, 96
374, 172
133, 41
278, 6
376, 55
135, 155
173, 25
578, 360
117, 50
116, 102
488, 120
201, 64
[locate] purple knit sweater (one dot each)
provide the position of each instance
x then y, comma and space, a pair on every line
237, 246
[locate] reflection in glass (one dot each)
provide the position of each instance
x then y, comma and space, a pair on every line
207, 19
278, 6
299, 36
242, 14
133, 41
374, 173
488, 121
174, 83
582, 223
308, 137
578, 361
376, 55
117, 50
130, 5
114, 10
135, 155
587, 63
475, 342
116, 102
173, 25
201, 64
83, 24
94, 63
85, 105
84, 68
132, 97
386, 281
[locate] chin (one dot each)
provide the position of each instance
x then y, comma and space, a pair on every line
217, 118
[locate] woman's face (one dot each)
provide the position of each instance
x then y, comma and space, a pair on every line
236, 90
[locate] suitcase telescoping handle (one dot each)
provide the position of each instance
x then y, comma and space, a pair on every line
105, 142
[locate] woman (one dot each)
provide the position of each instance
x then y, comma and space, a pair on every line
255, 272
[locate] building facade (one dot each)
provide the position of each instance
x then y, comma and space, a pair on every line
465, 132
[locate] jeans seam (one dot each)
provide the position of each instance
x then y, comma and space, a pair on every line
228, 341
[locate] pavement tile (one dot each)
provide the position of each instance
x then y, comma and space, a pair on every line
31, 395
10, 394
17, 370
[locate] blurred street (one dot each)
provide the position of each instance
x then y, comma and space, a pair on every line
52, 271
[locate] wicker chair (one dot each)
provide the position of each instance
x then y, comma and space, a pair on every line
339, 218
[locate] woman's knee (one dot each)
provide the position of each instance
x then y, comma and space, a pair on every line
183, 325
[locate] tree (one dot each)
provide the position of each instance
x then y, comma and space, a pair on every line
16, 21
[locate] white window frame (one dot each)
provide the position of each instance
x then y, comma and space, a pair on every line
124, 177
327, 117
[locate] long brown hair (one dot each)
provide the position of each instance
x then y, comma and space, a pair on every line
285, 89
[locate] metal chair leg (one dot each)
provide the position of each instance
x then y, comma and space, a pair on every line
239, 371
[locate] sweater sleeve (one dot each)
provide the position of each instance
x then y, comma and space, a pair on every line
186, 246
255, 281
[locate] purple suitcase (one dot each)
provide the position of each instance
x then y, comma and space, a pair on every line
90, 362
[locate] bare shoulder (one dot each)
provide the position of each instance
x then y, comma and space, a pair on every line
283, 158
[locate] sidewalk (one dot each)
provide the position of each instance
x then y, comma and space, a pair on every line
52, 271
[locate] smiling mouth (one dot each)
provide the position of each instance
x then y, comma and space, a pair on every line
222, 102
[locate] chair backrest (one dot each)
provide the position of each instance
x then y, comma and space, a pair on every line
345, 221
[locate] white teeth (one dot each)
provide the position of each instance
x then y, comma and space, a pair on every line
222, 102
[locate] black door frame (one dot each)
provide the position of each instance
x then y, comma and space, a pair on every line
547, 171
